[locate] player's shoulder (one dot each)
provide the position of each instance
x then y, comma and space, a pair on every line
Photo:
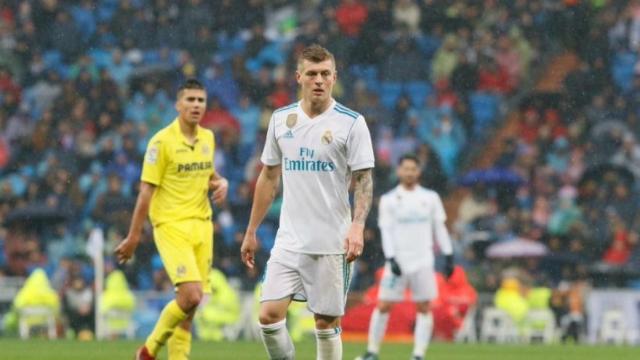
162, 136
389, 194
285, 110
428, 193
206, 133
343, 111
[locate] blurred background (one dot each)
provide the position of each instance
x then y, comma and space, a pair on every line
524, 114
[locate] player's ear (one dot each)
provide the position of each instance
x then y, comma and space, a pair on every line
298, 76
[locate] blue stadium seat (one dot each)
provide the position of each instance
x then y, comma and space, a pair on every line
622, 69
367, 73
484, 107
101, 57
428, 45
418, 92
389, 93
52, 59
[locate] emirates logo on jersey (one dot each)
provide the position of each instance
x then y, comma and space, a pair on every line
326, 138
292, 119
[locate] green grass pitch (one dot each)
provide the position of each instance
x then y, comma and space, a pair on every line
13, 349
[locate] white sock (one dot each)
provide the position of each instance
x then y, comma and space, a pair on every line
277, 341
329, 344
377, 328
422, 333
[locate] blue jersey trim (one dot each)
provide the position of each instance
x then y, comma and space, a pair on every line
290, 106
350, 114
346, 109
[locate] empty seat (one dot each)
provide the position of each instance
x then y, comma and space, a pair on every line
612, 327
497, 326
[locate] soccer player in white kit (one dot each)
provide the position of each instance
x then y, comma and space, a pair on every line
317, 145
409, 216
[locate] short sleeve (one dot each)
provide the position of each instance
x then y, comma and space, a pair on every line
271, 154
439, 213
385, 215
359, 148
155, 162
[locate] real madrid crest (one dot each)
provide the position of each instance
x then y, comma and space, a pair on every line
292, 119
326, 138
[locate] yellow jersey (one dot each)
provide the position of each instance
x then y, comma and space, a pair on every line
181, 172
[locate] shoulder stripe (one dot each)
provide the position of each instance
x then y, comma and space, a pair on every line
350, 114
344, 108
290, 106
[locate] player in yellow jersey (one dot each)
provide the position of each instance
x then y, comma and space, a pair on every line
177, 176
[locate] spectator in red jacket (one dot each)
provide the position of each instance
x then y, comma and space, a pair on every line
351, 16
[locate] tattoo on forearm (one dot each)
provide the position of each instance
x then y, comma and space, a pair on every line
274, 192
363, 195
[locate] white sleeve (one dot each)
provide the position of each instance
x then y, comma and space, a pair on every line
385, 222
440, 229
271, 154
359, 148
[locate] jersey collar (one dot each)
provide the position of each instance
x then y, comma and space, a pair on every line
175, 127
328, 110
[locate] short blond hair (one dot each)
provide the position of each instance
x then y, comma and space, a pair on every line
315, 53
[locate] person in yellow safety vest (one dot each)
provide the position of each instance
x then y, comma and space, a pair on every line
222, 309
35, 293
509, 298
117, 298
538, 299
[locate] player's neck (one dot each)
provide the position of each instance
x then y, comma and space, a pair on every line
188, 130
408, 187
313, 109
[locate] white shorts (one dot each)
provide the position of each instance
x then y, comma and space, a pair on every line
421, 282
320, 280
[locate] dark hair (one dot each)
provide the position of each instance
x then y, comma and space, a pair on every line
315, 53
189, 84
410, 157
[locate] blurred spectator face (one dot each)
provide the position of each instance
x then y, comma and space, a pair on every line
316, 80
408, 172
621, 191
191, 105
115, 185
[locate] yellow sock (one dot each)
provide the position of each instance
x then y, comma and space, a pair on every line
170, 317
179, 344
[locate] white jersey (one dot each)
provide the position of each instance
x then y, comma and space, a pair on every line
407, 220
317, 157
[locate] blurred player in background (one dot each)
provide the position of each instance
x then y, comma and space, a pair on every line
409, 217
177, 176
317, 145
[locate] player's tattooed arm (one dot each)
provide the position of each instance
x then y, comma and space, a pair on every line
363, 194
272, 173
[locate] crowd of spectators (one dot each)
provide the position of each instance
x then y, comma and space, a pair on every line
577, 154
84, 84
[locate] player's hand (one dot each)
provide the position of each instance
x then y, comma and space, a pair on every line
220, 188
355, 241
124, 251
248, 249
448, 266
395, 268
